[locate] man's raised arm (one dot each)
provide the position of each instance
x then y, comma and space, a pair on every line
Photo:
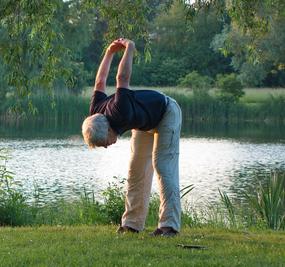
104, 68
125, 67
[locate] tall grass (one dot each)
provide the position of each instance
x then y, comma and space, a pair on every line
13, 205
69, 108
263, 207
210, 109
61, 110
269, 201
229, 208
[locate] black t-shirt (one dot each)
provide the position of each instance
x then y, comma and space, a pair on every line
128, 109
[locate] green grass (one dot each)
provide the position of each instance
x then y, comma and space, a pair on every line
258, 105
101, 246
252, 95
260, 95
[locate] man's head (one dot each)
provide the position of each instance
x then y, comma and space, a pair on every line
97, 132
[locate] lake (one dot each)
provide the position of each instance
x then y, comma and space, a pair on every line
232, 158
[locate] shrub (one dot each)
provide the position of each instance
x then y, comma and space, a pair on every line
13, 207
114, 201
167, 72
229, 88
200, 84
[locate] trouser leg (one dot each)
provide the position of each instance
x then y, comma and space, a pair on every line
166, 165
139, 180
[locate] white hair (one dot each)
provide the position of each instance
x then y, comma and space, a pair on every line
95, 129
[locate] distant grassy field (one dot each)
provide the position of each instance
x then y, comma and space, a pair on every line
258, 105
252, 95
101, 246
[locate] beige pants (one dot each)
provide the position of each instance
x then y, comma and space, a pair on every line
156, 150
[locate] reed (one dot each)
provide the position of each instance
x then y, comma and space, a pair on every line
269, 201
13, 206
67, 108
227, 203
210, 109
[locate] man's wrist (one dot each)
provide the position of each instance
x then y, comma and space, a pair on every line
131, 46
109, 52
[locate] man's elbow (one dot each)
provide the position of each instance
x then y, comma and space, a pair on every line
123, 80
99, 84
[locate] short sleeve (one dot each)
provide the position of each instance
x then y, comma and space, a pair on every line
96, 98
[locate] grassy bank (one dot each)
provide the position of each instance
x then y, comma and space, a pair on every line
101, 246
260, 207
257, 105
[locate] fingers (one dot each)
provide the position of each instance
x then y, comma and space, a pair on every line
120, 44
124, 41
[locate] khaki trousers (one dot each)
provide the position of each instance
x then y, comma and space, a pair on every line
156, 150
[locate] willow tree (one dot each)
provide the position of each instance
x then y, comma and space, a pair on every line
32, 49
33, 53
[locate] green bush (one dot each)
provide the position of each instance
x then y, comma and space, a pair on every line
167, 73
114, 201
230, 88
13, 206
200, 84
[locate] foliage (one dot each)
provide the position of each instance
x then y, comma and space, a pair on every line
186, 190
184, 45
30, 44
262, 207
114, 201
12, 202
229, 208
269, 201
34, 38
229, 88
256, 43
200, 84
69, 111
58, 44
3, 83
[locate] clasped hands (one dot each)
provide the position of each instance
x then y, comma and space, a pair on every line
121, 44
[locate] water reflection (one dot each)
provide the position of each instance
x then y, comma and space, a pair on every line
253, 132
65, 167
246, 131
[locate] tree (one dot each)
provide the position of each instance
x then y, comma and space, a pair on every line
261, 64
200, 84
254, 40
180, 47
32, 41
229, 88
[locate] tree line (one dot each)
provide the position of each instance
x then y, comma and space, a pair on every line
58, 44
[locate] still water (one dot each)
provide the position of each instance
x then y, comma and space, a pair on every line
60, 165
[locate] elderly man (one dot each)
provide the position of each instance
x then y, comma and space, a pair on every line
155, 121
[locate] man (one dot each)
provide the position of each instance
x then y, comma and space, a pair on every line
155, 121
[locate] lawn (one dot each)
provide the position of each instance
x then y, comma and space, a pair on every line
101, 246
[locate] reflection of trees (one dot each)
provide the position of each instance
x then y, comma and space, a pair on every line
30, 129
253, 132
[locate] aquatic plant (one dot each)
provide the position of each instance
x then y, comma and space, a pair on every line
13, 205
227, 203
269, 201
